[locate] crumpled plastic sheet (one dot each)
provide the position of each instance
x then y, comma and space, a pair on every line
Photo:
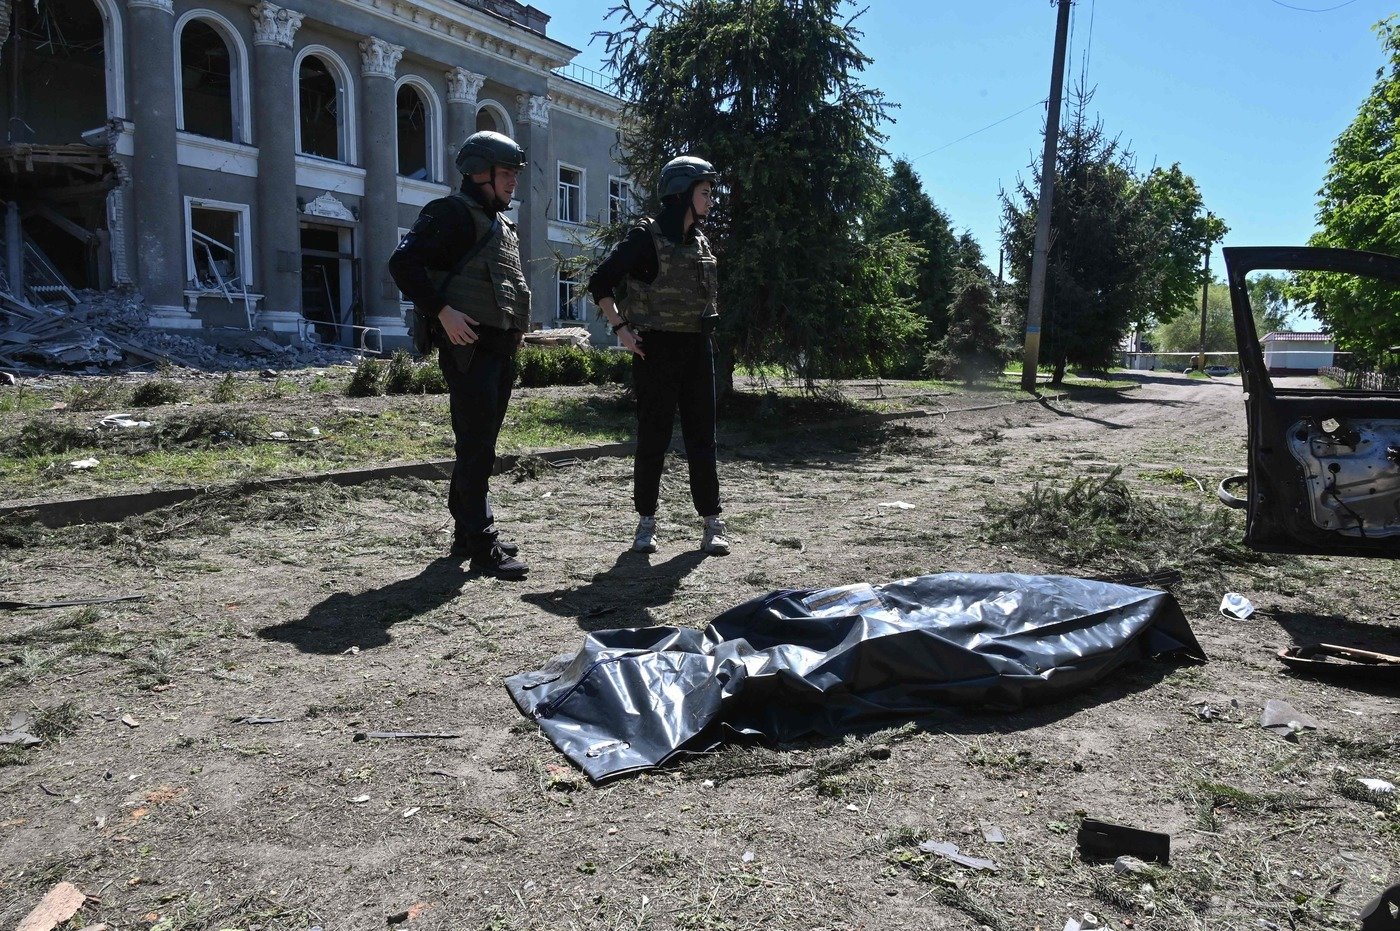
797, 663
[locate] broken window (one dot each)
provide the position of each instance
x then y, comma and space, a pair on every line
61, 79
320, 116
206, 82
216, 242
571, 296
570, 194
413, 139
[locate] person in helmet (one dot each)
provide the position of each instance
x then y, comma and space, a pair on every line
658, 291
460, 266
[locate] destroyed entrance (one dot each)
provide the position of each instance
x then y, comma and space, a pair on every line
329, 300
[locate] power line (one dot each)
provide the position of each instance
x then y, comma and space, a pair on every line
945, 145
1303, 9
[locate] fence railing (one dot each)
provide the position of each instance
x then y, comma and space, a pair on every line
594, 79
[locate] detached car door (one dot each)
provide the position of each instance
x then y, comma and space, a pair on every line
1324, 463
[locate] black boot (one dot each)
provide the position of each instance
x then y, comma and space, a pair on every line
496, 561
467, 545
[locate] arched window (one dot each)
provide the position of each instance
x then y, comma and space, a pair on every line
491, 117
485, 121
209, 76
415, 133
59, 58
321, 109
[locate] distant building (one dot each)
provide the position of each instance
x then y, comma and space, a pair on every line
1288, 353
256, 164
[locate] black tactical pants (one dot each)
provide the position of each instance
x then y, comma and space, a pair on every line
479, 380
677, 376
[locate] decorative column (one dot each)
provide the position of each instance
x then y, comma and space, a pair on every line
538, 187
155, 167
278, 225
379, 210
462, 88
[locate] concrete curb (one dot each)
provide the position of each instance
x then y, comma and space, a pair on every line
111, 508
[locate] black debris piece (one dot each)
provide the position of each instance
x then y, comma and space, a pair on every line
1099, 840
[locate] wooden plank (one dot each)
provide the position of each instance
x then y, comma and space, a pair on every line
61, 903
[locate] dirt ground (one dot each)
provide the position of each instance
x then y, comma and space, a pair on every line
200, 767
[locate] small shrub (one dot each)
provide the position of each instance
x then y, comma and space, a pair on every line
226, 391
100, 396
428, 379
368, 380
542, 366
156, 393
48, 435
398, 375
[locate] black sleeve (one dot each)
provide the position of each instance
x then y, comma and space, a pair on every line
634, 256
440, 236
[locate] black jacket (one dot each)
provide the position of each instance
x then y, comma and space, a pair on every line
440, 237
635, 256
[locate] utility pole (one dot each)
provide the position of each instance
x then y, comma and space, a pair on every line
1040, 258
1205, 291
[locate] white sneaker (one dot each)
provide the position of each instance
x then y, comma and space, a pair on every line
713, 542
645, 539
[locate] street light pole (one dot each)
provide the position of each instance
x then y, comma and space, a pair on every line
1205, 291
1040, 257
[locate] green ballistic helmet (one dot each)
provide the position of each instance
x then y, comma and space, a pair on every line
680, 173
485, 149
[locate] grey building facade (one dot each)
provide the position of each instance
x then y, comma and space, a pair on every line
264, 160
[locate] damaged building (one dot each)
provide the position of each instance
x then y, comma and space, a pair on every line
254, 166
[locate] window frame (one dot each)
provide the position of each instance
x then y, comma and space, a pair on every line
345, 92
239, 85
244, 247
616, 215
581, 188
578, 301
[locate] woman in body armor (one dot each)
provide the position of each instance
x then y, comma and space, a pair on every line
658, 291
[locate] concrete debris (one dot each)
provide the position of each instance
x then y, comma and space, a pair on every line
17, 732
561, 336
109, 331
60, 904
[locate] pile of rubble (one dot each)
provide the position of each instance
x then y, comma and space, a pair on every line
108, 332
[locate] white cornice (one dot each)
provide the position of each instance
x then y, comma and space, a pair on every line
474, 29
584, 101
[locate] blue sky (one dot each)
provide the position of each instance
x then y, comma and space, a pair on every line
1248, 95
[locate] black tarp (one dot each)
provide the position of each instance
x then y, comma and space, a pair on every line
795, 663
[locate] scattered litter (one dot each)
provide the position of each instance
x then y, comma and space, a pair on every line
992, 834
17, 732
404, 735
49, 792
1284, 720
46, 605
1236, 606
1383, 912
747, 857
359, 800
353, 651
1207, 711
412, 913
410, 812
707, 784
263, 721
81, 465
853, 808
1327, 660
902, 505
278, 434
1086, 922
122, 422
57, 906
950, 852
1377, 785
1100, 840
129, 721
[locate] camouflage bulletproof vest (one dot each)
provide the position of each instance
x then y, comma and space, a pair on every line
490, 288
685, 289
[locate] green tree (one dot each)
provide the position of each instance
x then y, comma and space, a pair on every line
1359, 208
1182, 330
974, 348
1125, 250
905, 208
767, 91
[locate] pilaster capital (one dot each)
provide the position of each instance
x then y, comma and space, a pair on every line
273, 25
379, 59
164, 6
463, 85
534, 108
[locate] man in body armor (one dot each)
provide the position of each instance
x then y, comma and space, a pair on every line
460, 266
658, 289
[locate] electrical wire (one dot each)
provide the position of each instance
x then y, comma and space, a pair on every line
1038, 103
1303, 9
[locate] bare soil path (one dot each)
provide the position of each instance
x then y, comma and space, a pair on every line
200, 767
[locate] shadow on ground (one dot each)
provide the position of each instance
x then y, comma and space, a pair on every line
621, 595
363, 619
